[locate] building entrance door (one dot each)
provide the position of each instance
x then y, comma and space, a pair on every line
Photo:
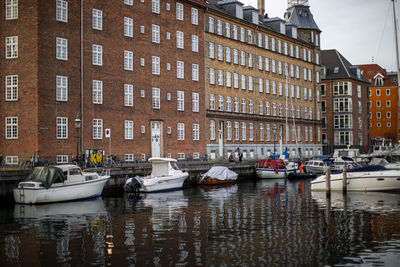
155, 139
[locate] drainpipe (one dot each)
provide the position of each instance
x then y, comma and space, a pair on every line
82, 117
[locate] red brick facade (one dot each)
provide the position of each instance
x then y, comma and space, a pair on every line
37, 67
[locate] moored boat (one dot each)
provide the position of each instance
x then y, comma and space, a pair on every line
217, 175
368, 178
275, 168
165, 175
59, 183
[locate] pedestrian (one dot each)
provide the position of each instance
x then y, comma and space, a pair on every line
240, 155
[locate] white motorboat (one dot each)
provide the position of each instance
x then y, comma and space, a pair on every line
368, 178
275, 168
165, 175
59, 183
315, 166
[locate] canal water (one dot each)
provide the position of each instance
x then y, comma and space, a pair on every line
253, 223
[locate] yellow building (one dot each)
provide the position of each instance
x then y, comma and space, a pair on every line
261, 81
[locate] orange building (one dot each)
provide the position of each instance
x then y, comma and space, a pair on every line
383, 101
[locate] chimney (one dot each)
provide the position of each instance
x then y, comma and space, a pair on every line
260, 7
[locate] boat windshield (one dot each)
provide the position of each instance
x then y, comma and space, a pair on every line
174, 166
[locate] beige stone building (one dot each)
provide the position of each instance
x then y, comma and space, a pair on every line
261, 81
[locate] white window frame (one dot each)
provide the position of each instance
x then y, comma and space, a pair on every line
195, 43
180, 40
11, 82
62, 128
97, 55
128, 95
62, 159
11, 129
97, 19
180, 70
155, 33
155, 96
212, 129
97, 129
195, 72
97, 92
128, 27
61, 88
195, 102
180, 131
155, 6
196, 131
195, 16
128, 130
180, 100
128, 60
61, 48
62, 10
179, 11
155, 66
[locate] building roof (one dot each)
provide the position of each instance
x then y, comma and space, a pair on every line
338, 67
301, 16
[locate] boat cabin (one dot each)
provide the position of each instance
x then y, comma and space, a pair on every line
163, 166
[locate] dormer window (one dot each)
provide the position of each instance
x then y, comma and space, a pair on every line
255, 17
239, 11
378, 81
283, 28
336, 70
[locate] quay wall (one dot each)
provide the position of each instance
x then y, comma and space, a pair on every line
11, 177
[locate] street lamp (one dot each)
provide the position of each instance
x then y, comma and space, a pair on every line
274, 131
77, 127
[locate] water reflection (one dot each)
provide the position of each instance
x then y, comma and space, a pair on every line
256, 223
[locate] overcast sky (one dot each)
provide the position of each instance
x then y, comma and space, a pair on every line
361, 30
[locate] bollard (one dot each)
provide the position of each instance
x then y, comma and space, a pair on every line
328, 179
344, 179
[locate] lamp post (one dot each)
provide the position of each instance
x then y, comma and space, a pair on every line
274, 131
77, 127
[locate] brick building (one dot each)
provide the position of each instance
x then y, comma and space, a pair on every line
344, 92
383, 100
134, 67
259, 69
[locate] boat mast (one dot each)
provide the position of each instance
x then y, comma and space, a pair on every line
398, 67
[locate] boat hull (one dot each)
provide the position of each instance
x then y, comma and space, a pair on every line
60, 192
163, 183
267, 173
213, 181
368, 181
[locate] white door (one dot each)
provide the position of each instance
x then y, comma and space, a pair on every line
155, 139
221, 138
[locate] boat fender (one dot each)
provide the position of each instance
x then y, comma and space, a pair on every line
132, 185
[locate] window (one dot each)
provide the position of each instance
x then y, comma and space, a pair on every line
261, 132
128, 130
236, 104
359, 91
181, 131
219, 27
251, 106
378, 92
243, 83
179, 40
11, 87
156, 98
97, 19
228, 104
142, 94
11, 9
387, 91
195, 102
128, 157
179, 11
196, 132
97, 129
62, 128
62, 48
235, 32
128, 95
128, 60
195, 43
155, 33
244, 131
180, 70
97, 87
195, 16
220, 53
212, 76
128, 27
11, 127
61, 10
62, 159
97, 53
155, 65
142, 62
228, 130
243, 105
227, 30
180, 100
251, 131
261, 107
378, 103
155, 6
221, 103
211, 50
242, 39
195, 72
260, 85
228, 79
242, 58
61, 88
220, 77
267, 91
387, 103
342, 88
343, 121
212, 102
211, 24
388, 115
236, 130
129, 3
181, 156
